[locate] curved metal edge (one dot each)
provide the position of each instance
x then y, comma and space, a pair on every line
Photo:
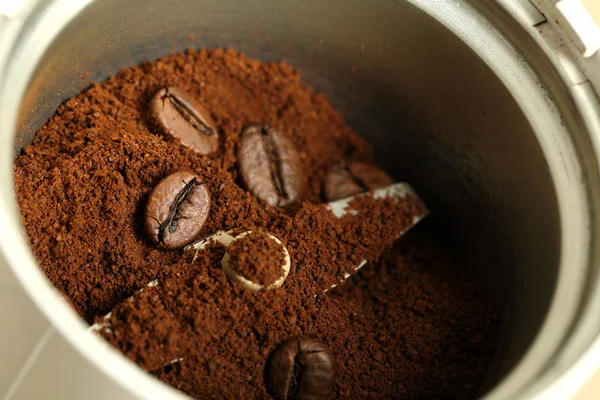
581, 352
577, 60
574, 37
574, 22
30, 46
531, 376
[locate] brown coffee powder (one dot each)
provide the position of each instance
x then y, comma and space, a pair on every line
410, 326
257, 257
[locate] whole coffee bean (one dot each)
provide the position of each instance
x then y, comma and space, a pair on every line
354, 178
340, 183
178, 114
177, 210
300, 369
270, 166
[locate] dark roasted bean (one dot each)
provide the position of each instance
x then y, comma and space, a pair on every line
354, 178
177, 210
270, 166
300, 369
179, 115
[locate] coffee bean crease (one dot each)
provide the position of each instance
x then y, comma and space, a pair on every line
181, 116
270, 166
170, 223
189, 114
275, 164
176, 210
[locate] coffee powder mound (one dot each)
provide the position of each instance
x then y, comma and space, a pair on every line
257, 257
411, 326
314, 268
83, 184
324, 248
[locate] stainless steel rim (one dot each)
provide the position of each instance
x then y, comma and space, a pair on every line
551, 366
577, 355
51, 17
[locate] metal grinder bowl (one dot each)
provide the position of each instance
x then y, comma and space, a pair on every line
488, 107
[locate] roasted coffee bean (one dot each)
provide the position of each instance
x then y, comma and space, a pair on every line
300, 369
178, 114
177, 210
340, 183
354, 178
270, 166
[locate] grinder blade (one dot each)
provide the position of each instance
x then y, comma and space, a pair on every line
339, 208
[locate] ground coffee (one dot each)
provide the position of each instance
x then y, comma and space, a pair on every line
257, 257
412, 325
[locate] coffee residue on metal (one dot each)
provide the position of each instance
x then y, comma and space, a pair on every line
257, 257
